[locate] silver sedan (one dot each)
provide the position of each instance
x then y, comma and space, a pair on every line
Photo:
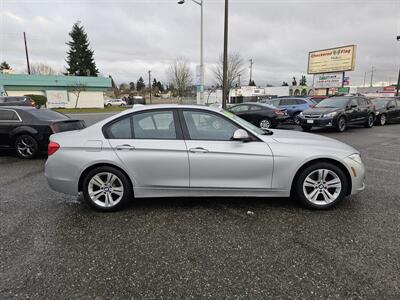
184, 151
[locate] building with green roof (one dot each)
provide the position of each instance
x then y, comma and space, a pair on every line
61, 91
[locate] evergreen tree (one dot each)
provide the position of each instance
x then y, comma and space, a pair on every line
140, 84
294, 82
252, 83
4, 66
154, 85
285, 83
303, 80
160, 86
80, 59
132, 86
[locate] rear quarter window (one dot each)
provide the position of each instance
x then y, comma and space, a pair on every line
8, 115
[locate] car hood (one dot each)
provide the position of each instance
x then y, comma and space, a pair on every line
321, 110
307, 139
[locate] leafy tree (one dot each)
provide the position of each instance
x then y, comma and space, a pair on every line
180, 75
132, 86
235, 69
160, 86
42, 69
303, 80
294, 82
4, 66
40, 100
285, 83
77, 89
123, 87
80, 59
252, 83
154, 85
140, 85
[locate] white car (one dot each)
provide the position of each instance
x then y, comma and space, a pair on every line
183, 151
114, 102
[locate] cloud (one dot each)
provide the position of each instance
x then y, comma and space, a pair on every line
131, 37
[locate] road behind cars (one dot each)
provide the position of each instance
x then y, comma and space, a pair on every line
53, 247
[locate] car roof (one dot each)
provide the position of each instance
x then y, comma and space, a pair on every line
25, 108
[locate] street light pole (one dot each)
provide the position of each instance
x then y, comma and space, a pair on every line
225, 87
200, 3
150, 84
398, 78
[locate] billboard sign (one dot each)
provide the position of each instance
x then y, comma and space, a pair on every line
339, 59
57, 99
329, 80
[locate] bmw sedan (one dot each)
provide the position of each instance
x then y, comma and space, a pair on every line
183, 151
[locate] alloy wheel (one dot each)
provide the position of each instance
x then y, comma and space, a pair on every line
26, 146
370, 120
342, 124
105, 189
382, 119
322, 187
296, 119
265, 124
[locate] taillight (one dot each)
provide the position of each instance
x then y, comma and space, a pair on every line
52, 148
279, 112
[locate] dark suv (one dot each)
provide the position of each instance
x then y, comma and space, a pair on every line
16, 101
339, 112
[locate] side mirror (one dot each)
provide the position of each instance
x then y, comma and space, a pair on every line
241, 135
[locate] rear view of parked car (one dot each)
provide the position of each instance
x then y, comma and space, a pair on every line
262, 115
27, 129
16, 101
387, 110
294, 106
338, 113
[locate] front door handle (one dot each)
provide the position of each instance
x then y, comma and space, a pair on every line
198, 150
125, 147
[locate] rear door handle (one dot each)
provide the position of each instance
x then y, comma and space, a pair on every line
198, 150
125, 147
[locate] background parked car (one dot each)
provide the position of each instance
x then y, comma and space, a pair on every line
27, 129
114, 102
16, 101
262, 115
387, 110
339, 112
293, 105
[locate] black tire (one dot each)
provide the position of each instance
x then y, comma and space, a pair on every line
306, 127
108, 105
26, 146
298, 191
265, 123
369, 123
296, 118
341, 124
381, 120
123, 181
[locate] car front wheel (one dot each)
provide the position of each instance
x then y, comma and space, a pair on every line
341, 125
27, 147
370, 121
382, 120
106, 189
296, 118
321, 186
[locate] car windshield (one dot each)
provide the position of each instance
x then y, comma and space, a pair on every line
381, 102
47, 115
334, 102
246, 124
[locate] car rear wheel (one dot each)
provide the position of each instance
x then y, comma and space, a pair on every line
321, 186
296, 118
341, 125
27, 147
106, 189
265, 124
108, 105
382, 120
370, 121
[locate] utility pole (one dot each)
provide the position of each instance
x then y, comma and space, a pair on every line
27, 56
372, 76
240, 85
398, 78
225, 87
251, 71
150, 84
365, 77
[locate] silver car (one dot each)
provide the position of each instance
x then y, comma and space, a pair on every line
184, 151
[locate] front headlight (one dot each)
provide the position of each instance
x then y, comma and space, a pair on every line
356, 157
330, 115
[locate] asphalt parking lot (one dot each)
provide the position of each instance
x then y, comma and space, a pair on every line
53, 247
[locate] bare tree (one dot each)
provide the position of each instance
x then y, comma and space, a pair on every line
235, 69
42, 69
180, 75
77, 89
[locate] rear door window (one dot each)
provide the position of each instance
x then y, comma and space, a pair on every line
154, 125
240, 108
288, 102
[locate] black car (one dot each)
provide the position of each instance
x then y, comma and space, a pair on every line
259, 114
27, 129
339, 112
16, 101
387, 110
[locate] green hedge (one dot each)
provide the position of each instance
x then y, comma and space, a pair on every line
39, 99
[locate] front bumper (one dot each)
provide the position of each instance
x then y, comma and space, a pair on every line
357, 173
320, 122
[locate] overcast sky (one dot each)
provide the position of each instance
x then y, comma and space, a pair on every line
130, 37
